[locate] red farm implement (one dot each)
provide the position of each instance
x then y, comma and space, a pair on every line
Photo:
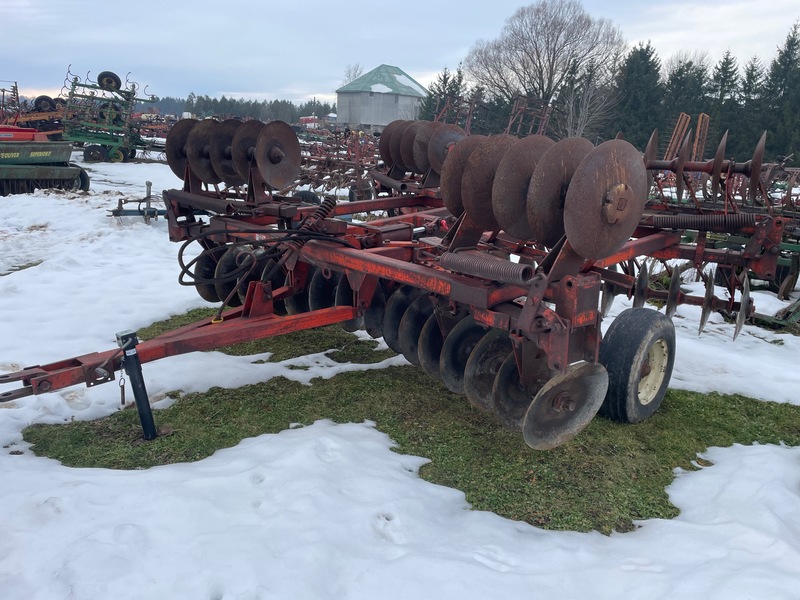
489, 265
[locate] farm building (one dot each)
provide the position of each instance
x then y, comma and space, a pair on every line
379, 97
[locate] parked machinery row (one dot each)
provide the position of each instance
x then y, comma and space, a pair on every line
493, 281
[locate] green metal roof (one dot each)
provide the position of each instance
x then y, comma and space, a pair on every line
386, 79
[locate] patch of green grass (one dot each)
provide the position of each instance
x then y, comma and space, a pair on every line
607, 477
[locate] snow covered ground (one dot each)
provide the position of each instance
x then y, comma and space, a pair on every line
329, 511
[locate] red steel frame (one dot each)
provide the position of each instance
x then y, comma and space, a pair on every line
556, 312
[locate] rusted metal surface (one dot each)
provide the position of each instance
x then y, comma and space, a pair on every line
548, 188
605, 199
453, 171
510, 317
478, 179
512, 181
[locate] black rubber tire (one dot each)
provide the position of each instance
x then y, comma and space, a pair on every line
44, 104
131, 153
83, 180
638, 338
109, 81
95, 153
117, 156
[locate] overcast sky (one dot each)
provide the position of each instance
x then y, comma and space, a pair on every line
298, 50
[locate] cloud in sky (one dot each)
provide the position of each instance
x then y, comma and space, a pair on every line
297, 51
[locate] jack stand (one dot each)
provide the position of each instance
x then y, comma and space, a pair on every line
127, 340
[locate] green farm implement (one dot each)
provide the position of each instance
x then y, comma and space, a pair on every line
98, 115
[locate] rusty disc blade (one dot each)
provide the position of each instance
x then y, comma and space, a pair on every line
344, 297
414, 319
511, 182
385, 140
510, 399
457, 347
226, 275
429, 347
482, 367
407, 146
548, 188
373, 315
204, 270
243, 146
322, 289
453, 172
605, 199
278, 154
650, 154
476, 185
396, 142
421, 141
440, 143
198, 145
175, 148
565, 405
396, 307
221, 154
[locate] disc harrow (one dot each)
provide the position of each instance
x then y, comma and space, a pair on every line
495, 282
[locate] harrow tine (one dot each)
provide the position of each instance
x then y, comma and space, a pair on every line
708, 302
744, 307
674, 290
640, 289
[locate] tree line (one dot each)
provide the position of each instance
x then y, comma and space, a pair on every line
265, 110
575, 71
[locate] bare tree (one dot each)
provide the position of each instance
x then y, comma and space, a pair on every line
538, 48
584, 109
699, 58
352, 72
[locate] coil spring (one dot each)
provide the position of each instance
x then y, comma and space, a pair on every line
314, 221
714, 223
486, 267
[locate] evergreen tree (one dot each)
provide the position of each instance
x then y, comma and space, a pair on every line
684, 91
724, 94
751, 121
444, 94
638, 91
782, 97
